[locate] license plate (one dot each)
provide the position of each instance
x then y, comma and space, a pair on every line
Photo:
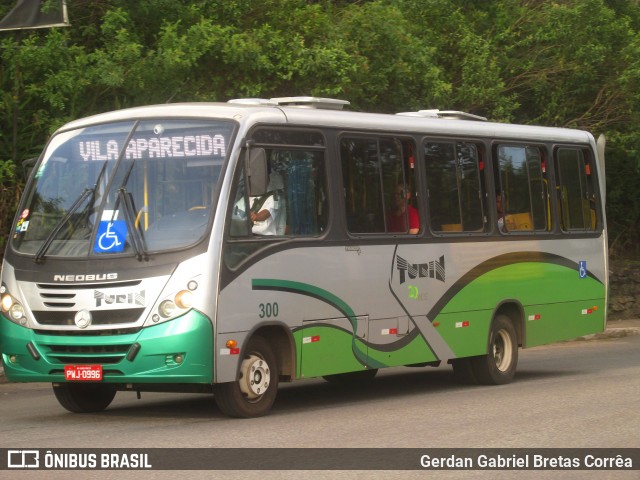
83, 373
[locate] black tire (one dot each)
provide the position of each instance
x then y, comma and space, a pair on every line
498, 366
84, 397
254, 393
358, 379
463, 371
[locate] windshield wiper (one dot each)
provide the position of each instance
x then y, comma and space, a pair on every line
137, 238
87, 192
58, 226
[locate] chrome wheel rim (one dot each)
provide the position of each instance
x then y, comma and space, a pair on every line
503, 350
256, 377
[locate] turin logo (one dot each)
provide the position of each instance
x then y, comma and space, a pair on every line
433, 269
132, 298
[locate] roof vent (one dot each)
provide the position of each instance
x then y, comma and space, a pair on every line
447, 114
251, 101
311, 102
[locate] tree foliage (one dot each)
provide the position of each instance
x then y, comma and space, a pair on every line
573, 63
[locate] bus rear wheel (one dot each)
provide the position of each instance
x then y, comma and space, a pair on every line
498, 366
84, 397
254, 393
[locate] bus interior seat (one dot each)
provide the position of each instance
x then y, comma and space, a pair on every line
518, 221
451, 227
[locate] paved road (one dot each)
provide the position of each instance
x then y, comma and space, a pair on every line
578, 394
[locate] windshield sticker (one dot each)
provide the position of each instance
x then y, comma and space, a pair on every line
110, 215
155, 147
22, 225
111, 237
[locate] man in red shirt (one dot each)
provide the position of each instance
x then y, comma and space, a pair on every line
404, 216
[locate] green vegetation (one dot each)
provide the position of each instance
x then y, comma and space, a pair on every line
573, 63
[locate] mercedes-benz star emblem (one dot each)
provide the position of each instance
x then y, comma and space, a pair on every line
83, 318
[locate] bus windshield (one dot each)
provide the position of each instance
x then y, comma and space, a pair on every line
124, 188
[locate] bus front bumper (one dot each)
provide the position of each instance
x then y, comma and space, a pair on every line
176, 351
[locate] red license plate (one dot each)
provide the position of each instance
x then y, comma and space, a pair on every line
83, 373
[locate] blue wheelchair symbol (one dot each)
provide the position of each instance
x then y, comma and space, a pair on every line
583, 269
111, 237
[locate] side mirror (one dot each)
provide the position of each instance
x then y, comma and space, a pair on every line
602, 141
257, 172
27, 167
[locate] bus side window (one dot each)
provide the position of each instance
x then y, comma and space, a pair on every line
522, 186
378, 189
361, 173
455, 183
576, 190
295, 198
303, 192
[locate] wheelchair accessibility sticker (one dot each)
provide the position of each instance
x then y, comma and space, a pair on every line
582, 269
111, 237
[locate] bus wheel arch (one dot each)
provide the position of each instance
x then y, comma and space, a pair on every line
515, 311
283, 346
498, 365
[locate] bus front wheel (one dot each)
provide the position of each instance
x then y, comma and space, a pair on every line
254, 393
84, 397
498, 366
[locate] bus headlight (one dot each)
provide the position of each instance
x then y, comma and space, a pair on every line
7, 302
13, 308
16, 311
167, 308
184, 299
177, 303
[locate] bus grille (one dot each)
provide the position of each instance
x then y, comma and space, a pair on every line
65, 296
90, 333
87, 354
98, 317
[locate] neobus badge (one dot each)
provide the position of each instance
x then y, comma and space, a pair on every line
85, 278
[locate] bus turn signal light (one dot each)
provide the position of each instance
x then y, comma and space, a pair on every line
184, 299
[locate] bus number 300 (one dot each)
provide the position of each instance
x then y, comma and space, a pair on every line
268, 310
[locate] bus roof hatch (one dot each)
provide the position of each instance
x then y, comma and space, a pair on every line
251, 101
303, 102
448, 114
311, 102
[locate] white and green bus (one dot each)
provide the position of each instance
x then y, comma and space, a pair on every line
224, 248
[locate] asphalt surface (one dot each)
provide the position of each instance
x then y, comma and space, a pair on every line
615, 329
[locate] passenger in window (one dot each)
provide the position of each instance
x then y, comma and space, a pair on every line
267, 211
500, 213
262, 215
404, 216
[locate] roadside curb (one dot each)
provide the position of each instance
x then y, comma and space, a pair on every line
615, 329
613, 333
